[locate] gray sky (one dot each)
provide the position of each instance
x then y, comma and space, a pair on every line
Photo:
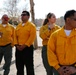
43, 7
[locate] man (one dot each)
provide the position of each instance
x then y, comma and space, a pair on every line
25, 34
7, 40
62, 46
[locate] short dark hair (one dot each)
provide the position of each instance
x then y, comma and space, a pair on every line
26, 12
69, 14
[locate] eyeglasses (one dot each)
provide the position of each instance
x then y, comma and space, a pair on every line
23, 14
74, 19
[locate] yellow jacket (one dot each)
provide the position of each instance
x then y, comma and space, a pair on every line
62, 48
45, 33
8, 35
26, 34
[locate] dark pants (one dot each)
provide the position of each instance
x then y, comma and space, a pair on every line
25, 57
6, 51
49, 69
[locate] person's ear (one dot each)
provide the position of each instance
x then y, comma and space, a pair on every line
68, 19
28, 17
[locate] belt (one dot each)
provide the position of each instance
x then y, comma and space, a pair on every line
6, 45
67, 65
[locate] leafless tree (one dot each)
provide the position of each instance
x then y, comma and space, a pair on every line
10, 6
12, 9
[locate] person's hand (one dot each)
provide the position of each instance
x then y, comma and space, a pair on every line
23, 46
18, 47
72, 69
67, 70
64, 70
60, 71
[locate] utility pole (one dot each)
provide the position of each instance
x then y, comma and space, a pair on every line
33, 20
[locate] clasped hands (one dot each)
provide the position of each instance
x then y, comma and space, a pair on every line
21, 47
66, 70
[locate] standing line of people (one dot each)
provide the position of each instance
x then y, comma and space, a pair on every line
22, 38
58, 50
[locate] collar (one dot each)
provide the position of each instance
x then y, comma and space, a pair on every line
62, 32
23, 24
4, 25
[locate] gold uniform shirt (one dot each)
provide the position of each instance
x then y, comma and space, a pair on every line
26, 34
62, 48
45, 33
8, 35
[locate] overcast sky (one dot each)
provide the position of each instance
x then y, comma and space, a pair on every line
43, 7
58, 7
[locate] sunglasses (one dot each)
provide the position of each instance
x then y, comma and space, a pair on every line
73, 19
23, 14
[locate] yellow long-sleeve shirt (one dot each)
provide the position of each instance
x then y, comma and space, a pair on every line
62, 48
8, 35
26, 34
45, 33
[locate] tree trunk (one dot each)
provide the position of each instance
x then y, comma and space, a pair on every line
33, 20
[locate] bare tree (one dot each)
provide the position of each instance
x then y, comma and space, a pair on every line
13, 10
10, 6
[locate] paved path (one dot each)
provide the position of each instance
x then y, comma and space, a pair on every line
39, 69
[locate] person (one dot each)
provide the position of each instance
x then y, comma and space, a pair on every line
46, 30
7, 41
25, 34
62, 46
